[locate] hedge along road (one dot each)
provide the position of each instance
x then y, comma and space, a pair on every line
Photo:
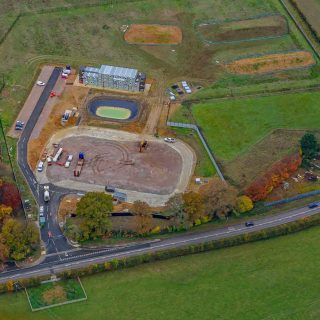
78, 261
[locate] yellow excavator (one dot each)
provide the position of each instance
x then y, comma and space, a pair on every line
143, 145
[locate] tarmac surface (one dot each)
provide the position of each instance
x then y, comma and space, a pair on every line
31, 101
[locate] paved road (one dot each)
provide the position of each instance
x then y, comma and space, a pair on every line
79, 258
58, 242
61, 256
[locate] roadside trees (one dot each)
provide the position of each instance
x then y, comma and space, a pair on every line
244, 204
5, 212
19, 239
94, 208
220, 198
309, 147
193, 205
143, 219
175, 206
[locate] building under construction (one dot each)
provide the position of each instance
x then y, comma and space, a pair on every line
113, 77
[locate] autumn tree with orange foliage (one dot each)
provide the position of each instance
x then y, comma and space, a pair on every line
143, 219
193, 205
5, 212
278, 173
220, 198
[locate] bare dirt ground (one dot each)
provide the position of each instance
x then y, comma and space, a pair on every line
270, 26
271, 63
156, 170
31, 101
162, 168
153, 34
49, 121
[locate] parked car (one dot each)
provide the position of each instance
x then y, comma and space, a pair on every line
18, 128
313, 205
66, 71
70, 157
41, 211
19, 123
180, 91
67, 164
40, 166
249, 224
169, 140
110, 189
27, 204
41, 83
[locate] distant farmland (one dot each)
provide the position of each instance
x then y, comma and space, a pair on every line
311, 10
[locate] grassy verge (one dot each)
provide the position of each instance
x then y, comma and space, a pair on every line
204, 166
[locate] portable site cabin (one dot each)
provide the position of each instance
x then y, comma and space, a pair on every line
120, 196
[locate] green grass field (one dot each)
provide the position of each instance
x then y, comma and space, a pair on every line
92, 36
276, 279
232, 126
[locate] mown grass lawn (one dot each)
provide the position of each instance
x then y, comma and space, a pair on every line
275, 279
232, 126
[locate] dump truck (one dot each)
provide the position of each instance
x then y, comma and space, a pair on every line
46, 194
80, 163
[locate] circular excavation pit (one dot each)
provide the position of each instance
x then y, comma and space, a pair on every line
113, 109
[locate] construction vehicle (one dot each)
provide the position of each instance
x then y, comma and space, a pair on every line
46, 194
80, 163
143, 145
58, 155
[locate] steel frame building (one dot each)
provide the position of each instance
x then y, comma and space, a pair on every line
113, 77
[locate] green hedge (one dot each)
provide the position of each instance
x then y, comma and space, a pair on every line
122, 263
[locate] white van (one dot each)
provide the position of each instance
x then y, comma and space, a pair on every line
40, 166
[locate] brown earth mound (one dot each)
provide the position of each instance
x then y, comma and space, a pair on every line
153, 34
271, 26
271, 63
55, 295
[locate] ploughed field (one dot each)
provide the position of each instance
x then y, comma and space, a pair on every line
270, 26
156, 170
272, 63
153, 34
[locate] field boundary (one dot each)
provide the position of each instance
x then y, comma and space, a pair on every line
295, 21
204, 142
294, 198
58, 304
197, 23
